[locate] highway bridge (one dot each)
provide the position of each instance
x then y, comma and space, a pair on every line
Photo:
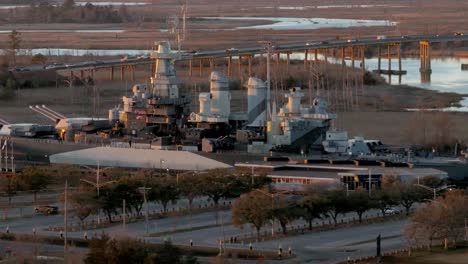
351, 49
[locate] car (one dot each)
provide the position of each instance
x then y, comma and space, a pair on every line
46, 209
352, 40
310, 43
458, 33
391, 211
54, 65
404, 37
323, 42
231, 50
381, 37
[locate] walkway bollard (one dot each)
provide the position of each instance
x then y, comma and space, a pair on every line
85, 236
61, 234
191, 243
250, 246
290, 251
7, 229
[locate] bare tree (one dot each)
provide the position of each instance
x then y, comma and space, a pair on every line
14, 39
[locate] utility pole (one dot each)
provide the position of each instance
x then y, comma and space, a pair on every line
65, 221
370, 181
123, 213
144, 189
97, 184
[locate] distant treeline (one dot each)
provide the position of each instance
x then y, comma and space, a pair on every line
68, 12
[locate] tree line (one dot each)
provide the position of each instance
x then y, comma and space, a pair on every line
68, 12
105, 250
166, 189
260, 207
444, 219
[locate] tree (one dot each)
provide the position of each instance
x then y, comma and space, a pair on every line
32, 179
190, 188
126, 251
217, 184
384, 198
443, 218
104, 250
253, 208
84, 203
163, 190
38, 59
337, 203
9, 185
313, 206
359, 202
14, 39
108, 201
68, 4
97, 250
286, 211
408, 194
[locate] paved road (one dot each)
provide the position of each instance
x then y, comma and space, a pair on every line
322, 247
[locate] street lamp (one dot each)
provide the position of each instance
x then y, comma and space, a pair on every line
272, 195
435, 190
97, 184
161, 161
144, 189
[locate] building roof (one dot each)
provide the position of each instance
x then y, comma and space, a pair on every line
138, 158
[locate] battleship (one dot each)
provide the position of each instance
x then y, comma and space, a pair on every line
157, 117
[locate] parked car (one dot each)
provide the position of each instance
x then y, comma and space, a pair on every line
458, 33
391, 211
46, 209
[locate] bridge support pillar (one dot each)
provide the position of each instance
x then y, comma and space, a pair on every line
229, 66
250, 65
363, 62
288, 55
201, 68
122, 73
111, 77
343, 55
239, 66
278, 58
316, 55
211, 65
306, 58
81, 74
353, 54
425, 57
379, 59
325, 54
152, 67
190, 68
132, 68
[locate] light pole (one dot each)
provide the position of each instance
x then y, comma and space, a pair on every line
435, 190
370, 180
161, 161
65, 223
144, 189
97, 185
272, 195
